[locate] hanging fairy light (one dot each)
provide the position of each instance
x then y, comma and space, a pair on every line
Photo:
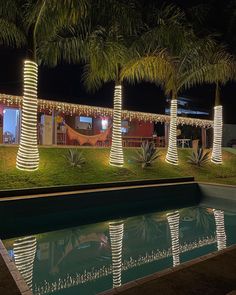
79, 109
220, 229
173, 221
172, 154
116, 231
24, 254
28, 155
216, 156
116, 154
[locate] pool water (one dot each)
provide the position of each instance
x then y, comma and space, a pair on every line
89, 259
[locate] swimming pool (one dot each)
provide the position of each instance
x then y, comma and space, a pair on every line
91, 258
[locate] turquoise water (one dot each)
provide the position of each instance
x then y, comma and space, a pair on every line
92, 258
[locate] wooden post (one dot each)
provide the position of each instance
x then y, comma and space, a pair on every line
203, 137
167, 130
54, 119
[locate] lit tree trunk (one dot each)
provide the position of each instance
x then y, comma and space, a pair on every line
28, 155
24, 255
220, 229
216, 156
173, 221
116, 231
116, 154
172, 154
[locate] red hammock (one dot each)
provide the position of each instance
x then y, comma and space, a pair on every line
88, 139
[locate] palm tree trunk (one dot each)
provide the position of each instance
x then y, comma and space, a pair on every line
173, 221
220, 229
116, 154
216, 156
28, 155
116, 231
24, 255
172, 153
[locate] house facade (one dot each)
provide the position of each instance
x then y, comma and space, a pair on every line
62, 123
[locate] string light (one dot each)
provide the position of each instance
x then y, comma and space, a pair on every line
116, 231
216, 156
78, 109
220, 229
172, 154
28, 155
116, 154
173, 221
70, 281
24, 255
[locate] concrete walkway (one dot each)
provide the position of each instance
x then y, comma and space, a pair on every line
212, 274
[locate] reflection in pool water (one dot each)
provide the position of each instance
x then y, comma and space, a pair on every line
116, 232
24, 250
220, 229
173, 221
92, 258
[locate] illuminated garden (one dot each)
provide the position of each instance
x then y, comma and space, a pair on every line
117, 147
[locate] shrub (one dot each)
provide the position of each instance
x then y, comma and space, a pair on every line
75, 158
147, 155
199, 157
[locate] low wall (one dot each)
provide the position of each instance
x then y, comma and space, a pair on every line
218, 196
43, 212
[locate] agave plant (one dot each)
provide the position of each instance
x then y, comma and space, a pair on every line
75, 158
147, 155
199, 157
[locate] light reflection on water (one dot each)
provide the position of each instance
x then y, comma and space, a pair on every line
89, 259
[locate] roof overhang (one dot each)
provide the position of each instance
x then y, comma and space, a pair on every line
78, 109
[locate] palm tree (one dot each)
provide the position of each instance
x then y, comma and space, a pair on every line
182, 55
99, 43
35, 21
106, 45
219, 69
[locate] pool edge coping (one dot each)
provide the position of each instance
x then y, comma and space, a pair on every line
91, 190
16, 276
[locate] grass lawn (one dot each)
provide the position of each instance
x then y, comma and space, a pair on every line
54, 169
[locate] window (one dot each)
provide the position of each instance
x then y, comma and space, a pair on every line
104, 123
124, 126
83, 122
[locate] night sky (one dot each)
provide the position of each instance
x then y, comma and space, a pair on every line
63, 82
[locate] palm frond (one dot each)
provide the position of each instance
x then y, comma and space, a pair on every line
67, 45
105, 56
153, 68
212, 65
48, 17
10, 10
124, 16
11, 35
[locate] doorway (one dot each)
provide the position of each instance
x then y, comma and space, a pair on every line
11, 126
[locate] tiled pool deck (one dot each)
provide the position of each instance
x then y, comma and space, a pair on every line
212, 274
